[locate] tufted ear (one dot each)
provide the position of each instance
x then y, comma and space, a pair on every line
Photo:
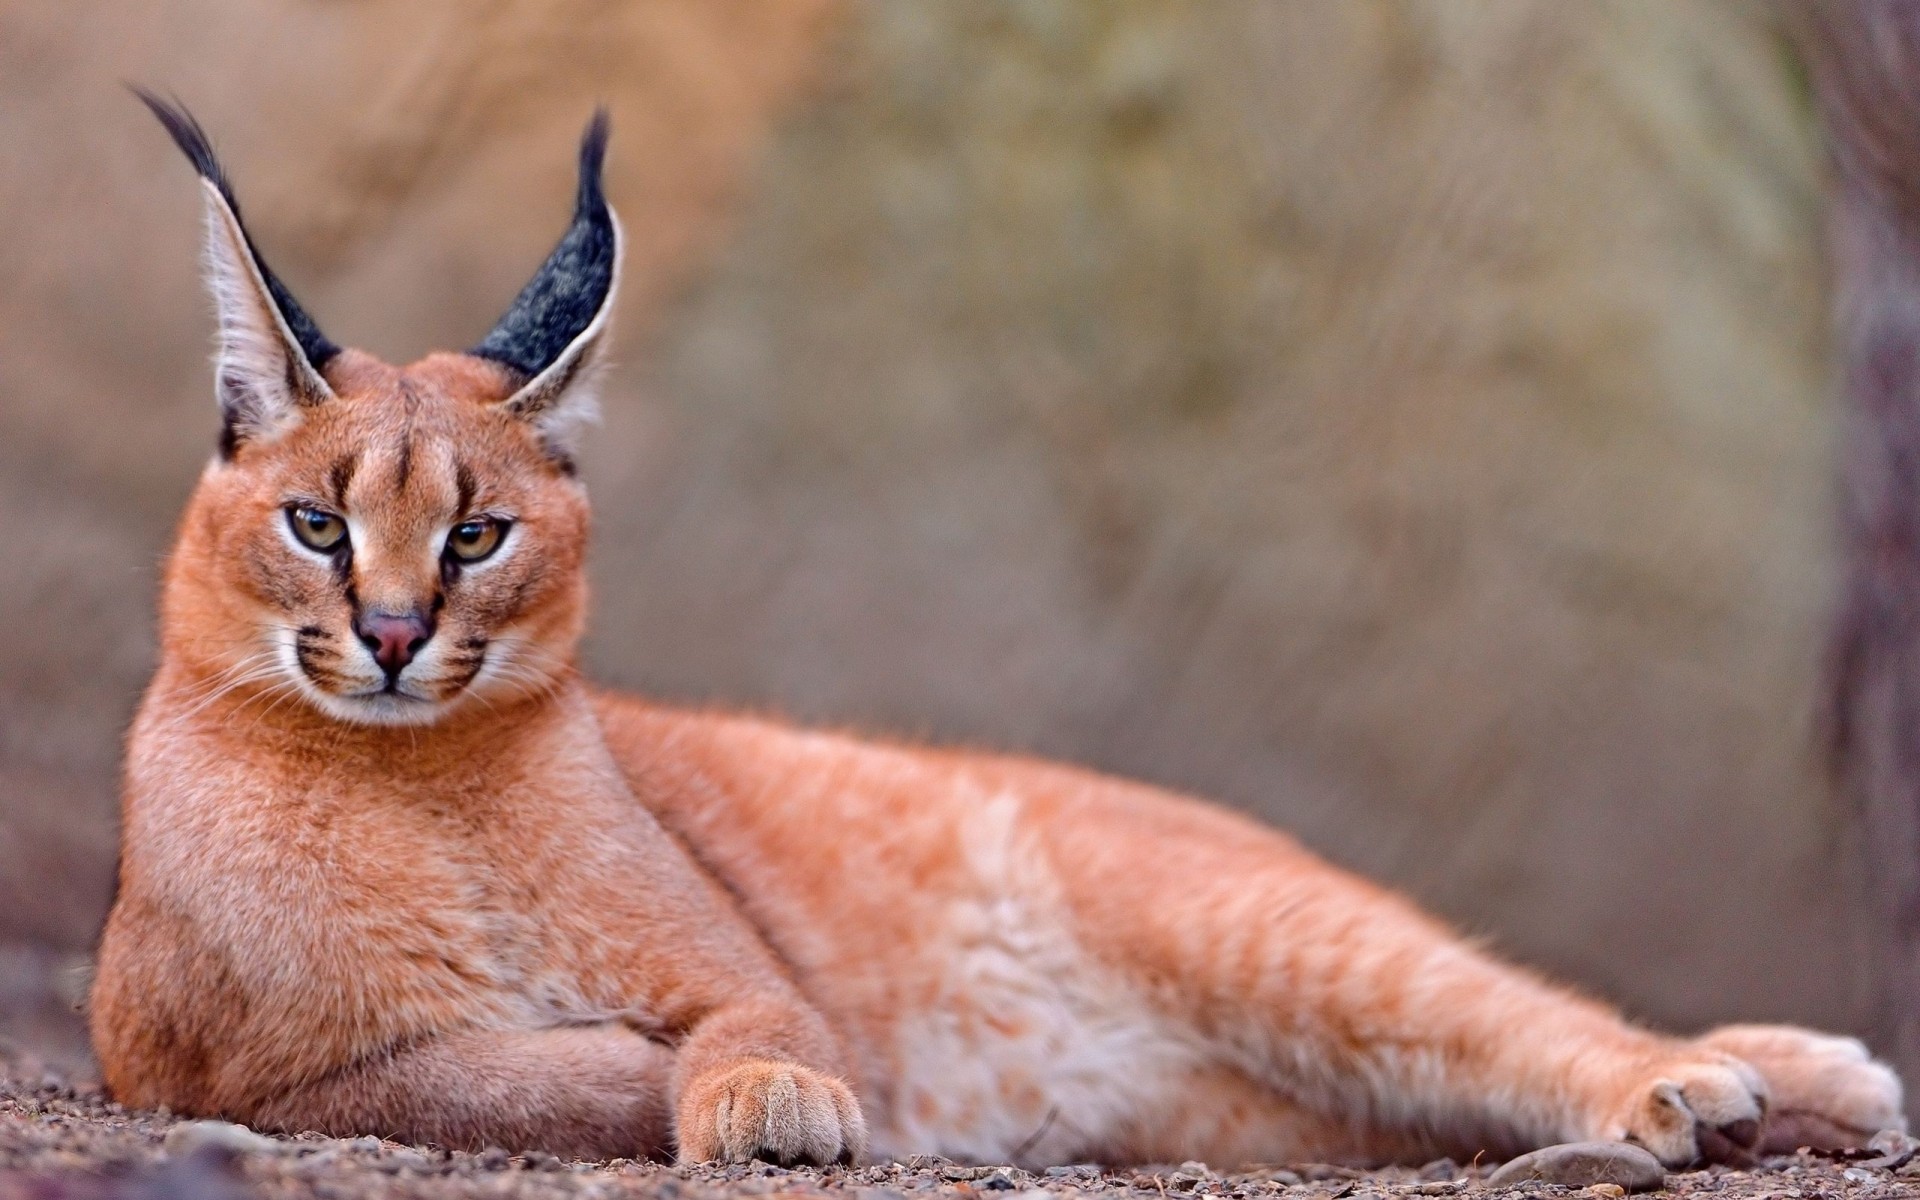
553, 338
270, 355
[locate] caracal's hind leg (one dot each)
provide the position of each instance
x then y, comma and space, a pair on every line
576, 1091
1347, 1000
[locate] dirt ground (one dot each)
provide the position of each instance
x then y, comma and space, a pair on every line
61, 1140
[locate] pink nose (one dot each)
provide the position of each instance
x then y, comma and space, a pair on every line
394, 639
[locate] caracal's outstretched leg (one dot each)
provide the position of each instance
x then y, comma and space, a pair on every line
580, 1091
1823, 1091
1348, 1001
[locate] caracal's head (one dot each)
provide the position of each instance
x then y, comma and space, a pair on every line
389, 545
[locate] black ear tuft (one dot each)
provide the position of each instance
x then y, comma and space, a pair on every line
192, 140
573, 286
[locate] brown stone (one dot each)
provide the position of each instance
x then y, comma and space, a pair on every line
1583, 1164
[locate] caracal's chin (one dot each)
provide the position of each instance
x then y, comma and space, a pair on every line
414, 702
381, 707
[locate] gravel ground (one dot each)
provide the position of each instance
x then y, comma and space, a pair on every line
63, 1141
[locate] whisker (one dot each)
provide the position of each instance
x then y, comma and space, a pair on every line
255, 676
220, 677
285, 689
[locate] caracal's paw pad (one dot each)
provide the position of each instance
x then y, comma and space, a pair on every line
1826, 1092
1697, 1104
770, 1110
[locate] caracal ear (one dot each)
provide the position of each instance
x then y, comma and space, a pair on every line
553, 339
270, 354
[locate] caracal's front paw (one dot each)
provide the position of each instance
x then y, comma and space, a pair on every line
771, 1110
1696, 1103
1826, 1092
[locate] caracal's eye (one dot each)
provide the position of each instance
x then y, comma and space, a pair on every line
317, 528
473, 540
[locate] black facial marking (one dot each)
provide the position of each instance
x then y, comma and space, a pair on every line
463, 480
468, 667
339, 477
308, 658
192, 140
403, 468
571, 287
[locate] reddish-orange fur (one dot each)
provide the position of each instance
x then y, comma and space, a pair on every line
517, 910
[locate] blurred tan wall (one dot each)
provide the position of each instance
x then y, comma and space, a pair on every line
1407, 421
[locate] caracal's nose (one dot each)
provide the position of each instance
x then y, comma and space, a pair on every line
394, 638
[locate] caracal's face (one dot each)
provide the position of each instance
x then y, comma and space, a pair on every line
387, 544
407, 548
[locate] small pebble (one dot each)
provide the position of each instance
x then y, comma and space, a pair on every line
1895, 1150
406, 1160
186, 1138
1583, 1164
1893, 1141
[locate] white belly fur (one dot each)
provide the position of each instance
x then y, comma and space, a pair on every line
1033, 1052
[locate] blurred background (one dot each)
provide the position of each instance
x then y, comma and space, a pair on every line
1412, 422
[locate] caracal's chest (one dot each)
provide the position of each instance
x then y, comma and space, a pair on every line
489, 892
